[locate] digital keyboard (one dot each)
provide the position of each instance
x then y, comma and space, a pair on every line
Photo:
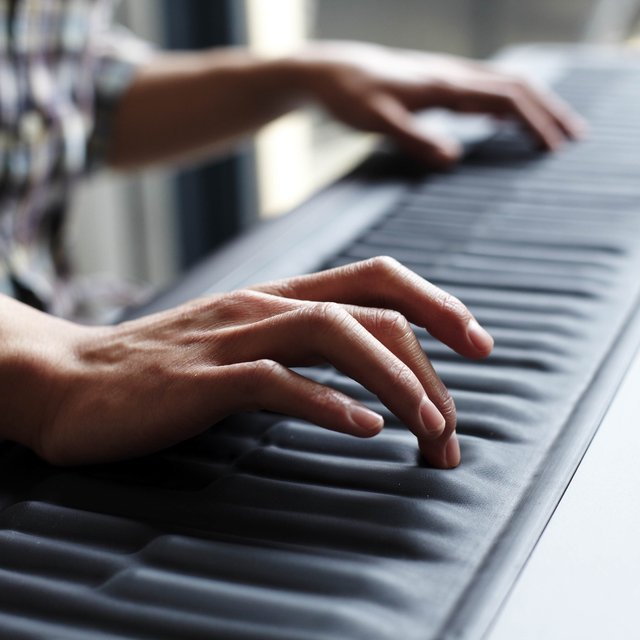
269, 527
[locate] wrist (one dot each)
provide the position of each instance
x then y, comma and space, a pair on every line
33, 366
308, 69
289, 79
324, 70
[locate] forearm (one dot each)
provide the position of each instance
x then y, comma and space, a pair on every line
185, 105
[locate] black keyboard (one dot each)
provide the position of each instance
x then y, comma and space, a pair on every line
268, 527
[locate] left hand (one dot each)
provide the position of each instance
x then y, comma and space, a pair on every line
376, 89
107, 393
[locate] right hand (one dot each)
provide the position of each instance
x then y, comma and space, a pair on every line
143, 385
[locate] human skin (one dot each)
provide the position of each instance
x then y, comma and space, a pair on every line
183, 106
77, 394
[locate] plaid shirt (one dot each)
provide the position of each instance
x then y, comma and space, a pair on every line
62, 71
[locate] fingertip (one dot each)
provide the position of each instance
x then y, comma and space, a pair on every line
480, 339
452, 451
433, 150
447, 456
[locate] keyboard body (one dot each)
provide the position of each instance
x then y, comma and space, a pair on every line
267, 527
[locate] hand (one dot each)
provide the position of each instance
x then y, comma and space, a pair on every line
146, 384
376, 89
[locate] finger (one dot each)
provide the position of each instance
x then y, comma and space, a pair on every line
328, 331
384, 282
571, 123
393, 330
396, 121
390, 328
265, 384
568, 120
511, 100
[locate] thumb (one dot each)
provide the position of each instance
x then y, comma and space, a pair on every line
396, 121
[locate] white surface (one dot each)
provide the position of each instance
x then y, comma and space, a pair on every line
583, 578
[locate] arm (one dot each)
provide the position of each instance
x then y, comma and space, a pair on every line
79, 394
185, 105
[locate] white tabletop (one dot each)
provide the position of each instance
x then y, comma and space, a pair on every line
582, 580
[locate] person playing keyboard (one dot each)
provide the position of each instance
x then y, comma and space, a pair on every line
75, 94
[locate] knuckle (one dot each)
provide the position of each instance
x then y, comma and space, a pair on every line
204, 305
234, 304
242, 297
321, 396
262, 372
280, 288
216, 308
402, 378
326, 315
253, 381
451, 307
447, 408
382, 271
384, 265
201, 307
391, 323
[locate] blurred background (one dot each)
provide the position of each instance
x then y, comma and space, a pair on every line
150, 227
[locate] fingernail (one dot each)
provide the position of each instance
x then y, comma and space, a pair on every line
432, 419
480, 339
366, 420
452, 451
